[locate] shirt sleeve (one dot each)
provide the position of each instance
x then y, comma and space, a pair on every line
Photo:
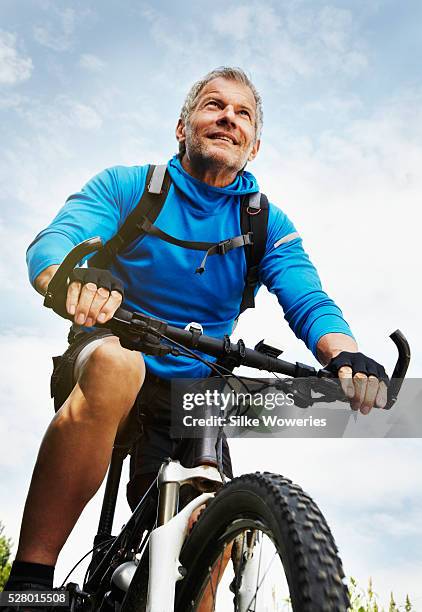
98, 209
287, 272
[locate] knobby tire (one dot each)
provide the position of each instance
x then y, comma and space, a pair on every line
267, 504
294, 523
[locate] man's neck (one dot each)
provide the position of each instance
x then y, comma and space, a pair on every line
209, 174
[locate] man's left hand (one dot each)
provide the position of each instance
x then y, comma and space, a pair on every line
363, 380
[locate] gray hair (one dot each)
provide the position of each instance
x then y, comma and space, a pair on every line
231, 74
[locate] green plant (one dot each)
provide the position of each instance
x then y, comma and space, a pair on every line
366, 600
5, 565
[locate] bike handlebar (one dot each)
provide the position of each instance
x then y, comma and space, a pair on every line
140, 332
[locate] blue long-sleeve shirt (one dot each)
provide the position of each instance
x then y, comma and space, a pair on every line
159, 278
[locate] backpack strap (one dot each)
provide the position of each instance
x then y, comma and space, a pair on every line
253, 219
152, 200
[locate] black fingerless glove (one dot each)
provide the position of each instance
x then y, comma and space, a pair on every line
359, 363
101, 278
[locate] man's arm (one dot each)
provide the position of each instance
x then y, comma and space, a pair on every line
95, 210
43, 279
331, 345
287, 271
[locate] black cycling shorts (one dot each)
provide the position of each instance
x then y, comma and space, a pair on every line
151, 442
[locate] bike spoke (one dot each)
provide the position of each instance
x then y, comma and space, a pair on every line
225, 585
218, 577
257, 577
258, 584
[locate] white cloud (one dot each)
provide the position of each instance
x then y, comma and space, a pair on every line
410, 523
10, 101
390, 469
333, 24
24, 396
60, 116
84, 116
91, 62
57, 32
334, 105
14, 67
285, 42
238, 26
334, 27
278, 43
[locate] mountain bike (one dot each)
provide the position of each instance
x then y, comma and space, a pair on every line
260, 542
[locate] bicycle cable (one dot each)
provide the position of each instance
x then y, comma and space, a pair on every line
97, 548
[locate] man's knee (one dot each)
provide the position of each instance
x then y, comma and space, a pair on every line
114, 364
111, 377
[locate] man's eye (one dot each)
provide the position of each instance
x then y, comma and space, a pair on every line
212, 103
246, 113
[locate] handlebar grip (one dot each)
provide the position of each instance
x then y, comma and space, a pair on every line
59, 280
120, 315
400, 368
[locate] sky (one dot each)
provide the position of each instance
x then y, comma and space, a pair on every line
88, 85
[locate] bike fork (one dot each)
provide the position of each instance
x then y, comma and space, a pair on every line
167, 539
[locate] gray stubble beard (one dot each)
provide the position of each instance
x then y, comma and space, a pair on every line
196, 155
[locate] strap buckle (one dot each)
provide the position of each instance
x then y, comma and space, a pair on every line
254, 204
224, 246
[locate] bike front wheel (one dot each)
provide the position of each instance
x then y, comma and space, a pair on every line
261, 545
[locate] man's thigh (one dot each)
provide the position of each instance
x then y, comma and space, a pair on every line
68, 367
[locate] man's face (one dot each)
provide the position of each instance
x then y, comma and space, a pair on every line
221, 130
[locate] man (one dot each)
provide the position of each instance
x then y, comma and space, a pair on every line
218, 133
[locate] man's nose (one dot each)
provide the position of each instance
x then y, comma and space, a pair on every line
228, 114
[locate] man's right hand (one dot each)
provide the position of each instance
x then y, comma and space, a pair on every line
93, 295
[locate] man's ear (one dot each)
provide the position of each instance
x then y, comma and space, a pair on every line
254, 151
180, 131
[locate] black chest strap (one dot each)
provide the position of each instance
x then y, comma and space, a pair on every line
211, 248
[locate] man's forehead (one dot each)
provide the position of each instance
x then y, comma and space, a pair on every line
229, 88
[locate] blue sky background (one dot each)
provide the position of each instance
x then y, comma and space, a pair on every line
86, 85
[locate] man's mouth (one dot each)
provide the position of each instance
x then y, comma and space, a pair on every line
224, 137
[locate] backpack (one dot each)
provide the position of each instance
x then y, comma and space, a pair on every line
253, 223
